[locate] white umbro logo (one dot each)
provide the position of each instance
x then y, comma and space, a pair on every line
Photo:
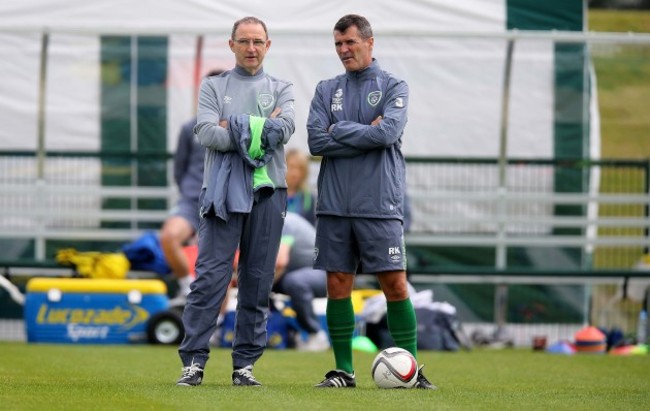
227, 100
395, 253
337, 101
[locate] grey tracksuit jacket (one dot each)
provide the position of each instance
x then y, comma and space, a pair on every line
221, 98
362, 171
254, 227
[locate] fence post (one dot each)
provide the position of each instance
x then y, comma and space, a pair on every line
39, 246
42, 80
501, 291
646, 211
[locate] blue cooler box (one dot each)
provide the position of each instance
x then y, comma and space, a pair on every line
91, 311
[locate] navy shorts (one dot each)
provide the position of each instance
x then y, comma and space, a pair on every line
189, 210
359, 245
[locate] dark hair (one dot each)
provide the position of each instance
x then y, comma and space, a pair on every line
349, 20
248, 19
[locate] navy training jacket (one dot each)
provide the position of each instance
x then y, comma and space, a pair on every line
362, 173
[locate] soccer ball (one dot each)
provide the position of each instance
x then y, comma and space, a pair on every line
394, 368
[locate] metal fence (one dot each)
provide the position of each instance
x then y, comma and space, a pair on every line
100, 199
459, 202
466, 228
605, 215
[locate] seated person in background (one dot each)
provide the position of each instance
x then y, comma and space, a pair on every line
300, 199
182, 224
295, 277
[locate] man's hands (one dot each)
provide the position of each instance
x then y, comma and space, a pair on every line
374, 122
274, 114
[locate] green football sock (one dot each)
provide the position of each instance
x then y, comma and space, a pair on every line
402, 325
340, 321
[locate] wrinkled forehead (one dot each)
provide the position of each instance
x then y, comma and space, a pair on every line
250, 31
351, 32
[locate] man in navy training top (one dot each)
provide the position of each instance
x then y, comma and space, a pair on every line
356, 121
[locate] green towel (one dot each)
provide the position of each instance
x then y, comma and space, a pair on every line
260, 175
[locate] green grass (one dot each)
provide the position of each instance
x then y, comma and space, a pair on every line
140, 377
623, 78
619, 21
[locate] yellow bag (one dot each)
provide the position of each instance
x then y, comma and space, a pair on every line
93, 264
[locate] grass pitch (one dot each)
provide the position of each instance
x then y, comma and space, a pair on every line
623, 78
142, 377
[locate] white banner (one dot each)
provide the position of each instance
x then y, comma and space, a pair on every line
456, 84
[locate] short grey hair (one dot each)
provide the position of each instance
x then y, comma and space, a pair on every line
248, 19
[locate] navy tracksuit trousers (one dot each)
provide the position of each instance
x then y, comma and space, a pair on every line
257, 234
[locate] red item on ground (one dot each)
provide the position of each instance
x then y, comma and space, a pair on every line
591, 340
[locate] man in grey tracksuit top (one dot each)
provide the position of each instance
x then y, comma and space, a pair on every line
356, 121
233, 213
